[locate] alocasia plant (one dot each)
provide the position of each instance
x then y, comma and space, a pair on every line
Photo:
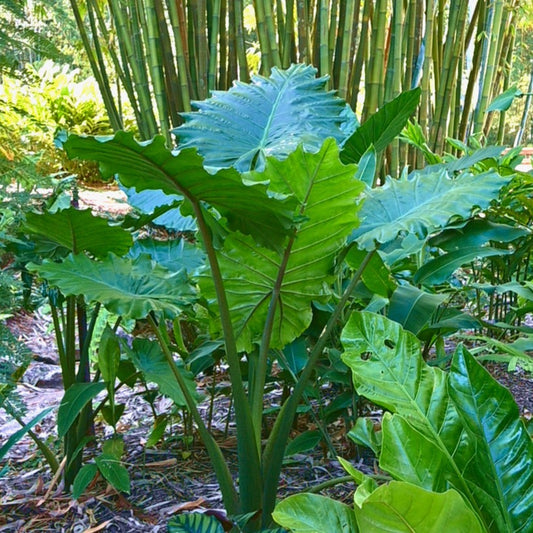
274, 208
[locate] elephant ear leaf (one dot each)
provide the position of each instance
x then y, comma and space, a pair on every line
422, 204
150, 165
269, 117
297, 274
79, 231
504, 449
126, 287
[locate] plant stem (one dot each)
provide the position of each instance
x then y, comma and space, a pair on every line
275, 447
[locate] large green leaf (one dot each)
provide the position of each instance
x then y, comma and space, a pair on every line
422, 204
382, 127
327, 194
150, 165
503, 101
503, 445
74, 400
269, 117
463, 432
174, 255
129, 288
401, 507
413, 308
476, 233
79, 231
439, 269
150, 360
311, 513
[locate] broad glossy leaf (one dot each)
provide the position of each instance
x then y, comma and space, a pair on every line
130, 288
113, 472
327, 194
80, 231
394, 375
364, 433
475, 234
269, 117
150, 201
422, 204
503, 445
413, 308
174, 255
382, 127
148, 357
194, 523
440, 269
74, 400
376, 276
311, 513
388, 369
405, 508
366, 168
150, 165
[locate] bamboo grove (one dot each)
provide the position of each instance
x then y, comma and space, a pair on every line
164, 54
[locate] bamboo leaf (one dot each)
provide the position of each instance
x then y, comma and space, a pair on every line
269, 117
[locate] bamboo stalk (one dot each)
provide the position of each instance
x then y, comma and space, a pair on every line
213, 45
181, 60
362, 52
375, 85
323, 43
345, 62
239, 40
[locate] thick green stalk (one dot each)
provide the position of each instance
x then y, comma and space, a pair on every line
156, 68
375, 83
179, 35
346, 62
247, 447
476, 63
271, 32
229, 494
213, 46
201, 46
128, 36
122, 73
304, 37
490, 70
262, 364
288, 35
323, 46
362, 52
239, 37
105, 91
277, 441
264, 43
